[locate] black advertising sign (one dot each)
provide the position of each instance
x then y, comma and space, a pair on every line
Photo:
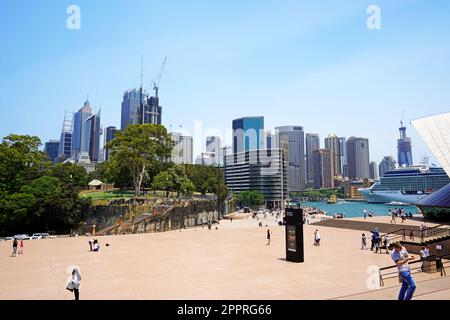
294, 235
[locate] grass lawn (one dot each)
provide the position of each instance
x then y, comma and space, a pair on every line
107, 195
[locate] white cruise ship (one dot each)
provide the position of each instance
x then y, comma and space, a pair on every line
407, 184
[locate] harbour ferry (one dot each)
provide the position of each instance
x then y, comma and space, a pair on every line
406, 184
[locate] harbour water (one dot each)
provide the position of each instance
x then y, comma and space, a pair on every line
356, 209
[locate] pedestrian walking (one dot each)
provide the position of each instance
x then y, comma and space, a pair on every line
387, 243
15, 244
21, 247
393, 220
424, 254
74, 283
365, 214
401, 258
268, 236
363, 242
316, 238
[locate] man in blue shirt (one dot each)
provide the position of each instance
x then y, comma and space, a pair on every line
401, 259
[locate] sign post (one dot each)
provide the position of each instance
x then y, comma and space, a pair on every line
294, 235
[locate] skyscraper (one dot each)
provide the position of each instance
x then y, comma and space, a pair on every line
332, 143
343, 150
214, 147
404, 148
358, 158
110, 133
52, 148
323, 177
387, 164
78, 119
182, 150
152, 111
373, 170
90, 137
294, 145
248, 134
268, 139
312, 144
131, 107
65, 142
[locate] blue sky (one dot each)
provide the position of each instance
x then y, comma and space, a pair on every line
308, 63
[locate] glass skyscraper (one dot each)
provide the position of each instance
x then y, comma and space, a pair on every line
248, 134
137, 104
90, 137
110, 132
52, 148
312, 142
78, 119
358, 158
404, 148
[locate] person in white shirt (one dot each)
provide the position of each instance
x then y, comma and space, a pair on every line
316, 238
401, 258
74, 284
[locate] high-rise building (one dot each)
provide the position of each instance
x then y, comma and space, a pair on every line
332, 143
343, 150
387, 164
152, 111
214, 147
90, 137
110, 133
131, 107
205, 159
268, 139
373, 170
404, 148
65, 142
248, 134
182, 152
52, 148
323, 177
358, 158
78, 119
292, 140
260, 170
226, 151
312, 142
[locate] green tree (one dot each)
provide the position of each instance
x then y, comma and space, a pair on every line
141, 149
163, 181
250, 198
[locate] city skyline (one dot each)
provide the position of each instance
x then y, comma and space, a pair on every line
290, 63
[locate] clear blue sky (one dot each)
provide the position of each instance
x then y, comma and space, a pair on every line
309, 63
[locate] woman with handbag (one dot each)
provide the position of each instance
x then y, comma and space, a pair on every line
74, 284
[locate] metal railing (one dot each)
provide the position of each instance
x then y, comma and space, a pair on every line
424, 235
440, 265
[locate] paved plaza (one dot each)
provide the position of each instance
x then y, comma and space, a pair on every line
232, 262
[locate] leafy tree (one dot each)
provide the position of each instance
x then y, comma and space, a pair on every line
250, 198
163, 181
140, 149
71, 174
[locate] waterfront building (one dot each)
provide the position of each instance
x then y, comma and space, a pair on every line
263, 170
323, 177
182, 152
404, 148
387, 164
312, 143
358, 158
248, 134
373, 170
52, 148
332, 143
292, 140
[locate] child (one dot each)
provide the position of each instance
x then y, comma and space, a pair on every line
21, 247
363, 242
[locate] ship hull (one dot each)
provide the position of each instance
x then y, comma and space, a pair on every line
389, 196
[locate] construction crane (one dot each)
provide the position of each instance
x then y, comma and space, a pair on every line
158, 78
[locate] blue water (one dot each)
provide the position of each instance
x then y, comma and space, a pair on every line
356, 209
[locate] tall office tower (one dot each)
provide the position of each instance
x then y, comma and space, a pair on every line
78, 119
268, 139
373, 170
152, 111
90, 137
404, 148
358, 158
65, 142
248, 134
312, 142
206, 159
52, 148
343, 149
254, 170
110, 133
332, 143
182, 150
214, 147
226, 151
292, 140
323, 178
131, 107
387, 164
